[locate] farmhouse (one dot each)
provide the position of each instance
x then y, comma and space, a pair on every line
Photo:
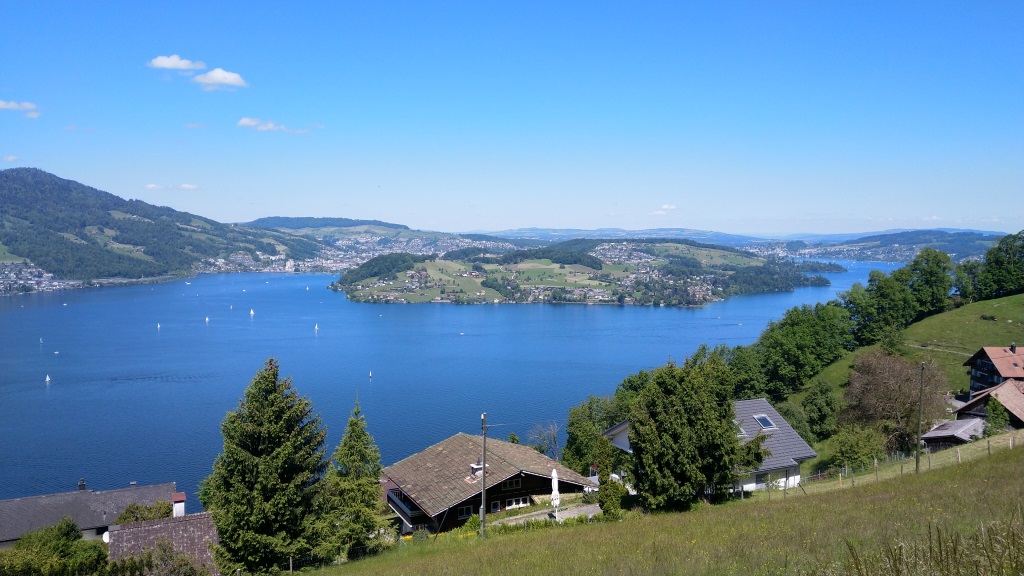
787, 449
992, 365
439, 488
1009, 393
93, 511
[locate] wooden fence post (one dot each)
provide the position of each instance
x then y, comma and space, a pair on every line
957, 454
876, 469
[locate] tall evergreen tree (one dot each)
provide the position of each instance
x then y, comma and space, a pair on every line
261, 490
352, 519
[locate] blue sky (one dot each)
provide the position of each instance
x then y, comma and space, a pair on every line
746, 117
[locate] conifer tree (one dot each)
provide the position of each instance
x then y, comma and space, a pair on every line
352, 513
261, 490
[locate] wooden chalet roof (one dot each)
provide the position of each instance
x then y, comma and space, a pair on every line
1009, 364
1010, 393
88, 508
439, 477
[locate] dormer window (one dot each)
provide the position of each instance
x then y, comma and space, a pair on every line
742, 433
764, 421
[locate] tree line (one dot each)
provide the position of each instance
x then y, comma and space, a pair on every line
672, 405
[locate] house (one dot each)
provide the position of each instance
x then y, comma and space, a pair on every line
950, 432
191, 534
93, 511
1009, 393
439, 488
992, 365
787, 448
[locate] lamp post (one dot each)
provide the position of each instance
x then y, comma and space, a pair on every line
483, 476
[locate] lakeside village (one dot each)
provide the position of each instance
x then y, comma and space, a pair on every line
349, 252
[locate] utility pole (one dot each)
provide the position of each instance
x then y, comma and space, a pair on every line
483, 476
920, 411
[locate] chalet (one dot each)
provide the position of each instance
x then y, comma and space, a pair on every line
439, 488
992, 365
1009, 393
93, 511
787, 449
191, 535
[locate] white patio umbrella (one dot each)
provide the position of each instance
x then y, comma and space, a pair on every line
555, 498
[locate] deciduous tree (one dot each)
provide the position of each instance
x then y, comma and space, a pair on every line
885, 392
260, 493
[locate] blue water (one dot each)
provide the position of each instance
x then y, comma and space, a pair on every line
128, 401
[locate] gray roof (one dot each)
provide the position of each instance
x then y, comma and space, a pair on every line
786, 446
439, 477
964, 430
88, 508
189, 534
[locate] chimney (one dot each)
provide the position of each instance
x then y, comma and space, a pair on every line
81, 483
1013, 347
179, 504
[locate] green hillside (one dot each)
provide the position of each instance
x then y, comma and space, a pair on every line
798, 535
952, 337
79, 232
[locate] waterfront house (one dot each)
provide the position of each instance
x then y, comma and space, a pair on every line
439, 488
93, 511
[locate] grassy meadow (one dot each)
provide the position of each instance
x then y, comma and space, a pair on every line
811, 534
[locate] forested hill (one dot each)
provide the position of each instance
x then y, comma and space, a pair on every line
298, 223
959, 245
79, 232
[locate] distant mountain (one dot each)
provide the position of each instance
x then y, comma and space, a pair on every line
79, 232
903, 246
560, 234
299, 223
844, 238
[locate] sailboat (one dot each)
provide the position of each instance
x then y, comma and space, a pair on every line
207, 319
251, 312
371, 374
157, 325
47, 378
316, 327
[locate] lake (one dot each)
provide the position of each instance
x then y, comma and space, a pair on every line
140, 377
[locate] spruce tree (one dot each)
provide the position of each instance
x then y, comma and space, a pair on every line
261, 490
351, 518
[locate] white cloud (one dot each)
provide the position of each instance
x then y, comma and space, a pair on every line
266, 125
70, 128
27, 107
188, 187
657, 213
10, 158
668, 206
220, 78
152, 186
194, 125
175, 62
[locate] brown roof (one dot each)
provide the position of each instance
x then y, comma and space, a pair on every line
1010, 394
439, 477
189, 534
1008, 364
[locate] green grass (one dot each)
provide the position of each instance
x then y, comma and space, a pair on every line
948, 339
805, 534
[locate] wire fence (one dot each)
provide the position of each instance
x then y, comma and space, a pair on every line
899, 463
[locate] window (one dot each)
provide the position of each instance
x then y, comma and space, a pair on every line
465, 512
496, 506
521, 502
513, 484
764, 421
741, 432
